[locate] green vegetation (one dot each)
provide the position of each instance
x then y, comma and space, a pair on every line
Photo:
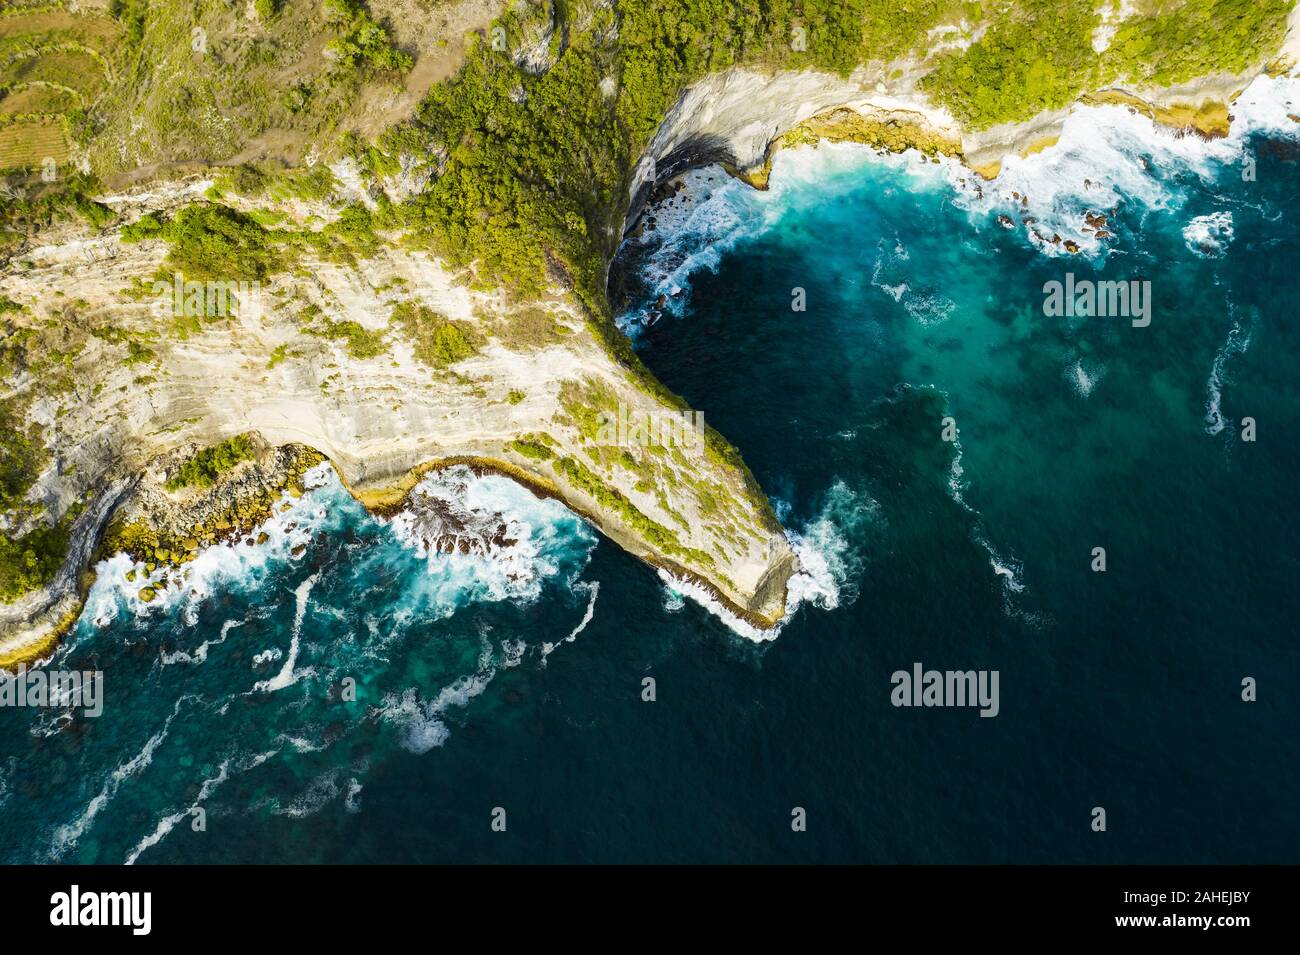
210, 241
1172, 42
277, 185
537, 166
361, 342
31, 561
195, 81
28, 560
362, 42
1037, 54
612, 501
22, 456
531, 449
437, 341
515, 396
54, 66
203, 469
22, 217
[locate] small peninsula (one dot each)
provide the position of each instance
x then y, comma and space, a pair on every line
238, 241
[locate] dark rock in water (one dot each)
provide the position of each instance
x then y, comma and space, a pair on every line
298, 550
1005, 222
448, 526
1071, 246
1285, 150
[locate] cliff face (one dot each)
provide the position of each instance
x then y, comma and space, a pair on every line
740, 116
355, 359
387, 364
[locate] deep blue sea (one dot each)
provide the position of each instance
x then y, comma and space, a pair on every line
515, 681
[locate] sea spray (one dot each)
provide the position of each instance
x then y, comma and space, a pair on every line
592, 590
830, 561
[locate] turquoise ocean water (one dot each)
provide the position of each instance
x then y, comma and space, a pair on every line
515, 680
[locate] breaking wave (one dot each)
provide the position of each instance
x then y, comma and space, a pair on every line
830, 555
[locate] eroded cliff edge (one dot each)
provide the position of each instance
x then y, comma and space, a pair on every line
389, 366
389, 362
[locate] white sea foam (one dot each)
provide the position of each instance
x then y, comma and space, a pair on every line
269, 655
66, 836
592, 590
209, 786
516, 541
244, 564
200, 653
512, 653
1208, 236
167, 823
1108, 156
1008, 569
320, 791
828, 551
420, 721
1084, 376
1238, 341
287, 675
352, 798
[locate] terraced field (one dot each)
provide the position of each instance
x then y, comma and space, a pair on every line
55, 63
26, 144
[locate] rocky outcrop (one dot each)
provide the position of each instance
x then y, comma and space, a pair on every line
317, 361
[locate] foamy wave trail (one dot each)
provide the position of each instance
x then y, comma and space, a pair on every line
592, 590
692, 231
1084, 376
208, 787
1062, 199
1237, 343
67, 836
352, 798
923, 301
829, 556
1007, 569
287, 675
200, 653
420, 721
715, 214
